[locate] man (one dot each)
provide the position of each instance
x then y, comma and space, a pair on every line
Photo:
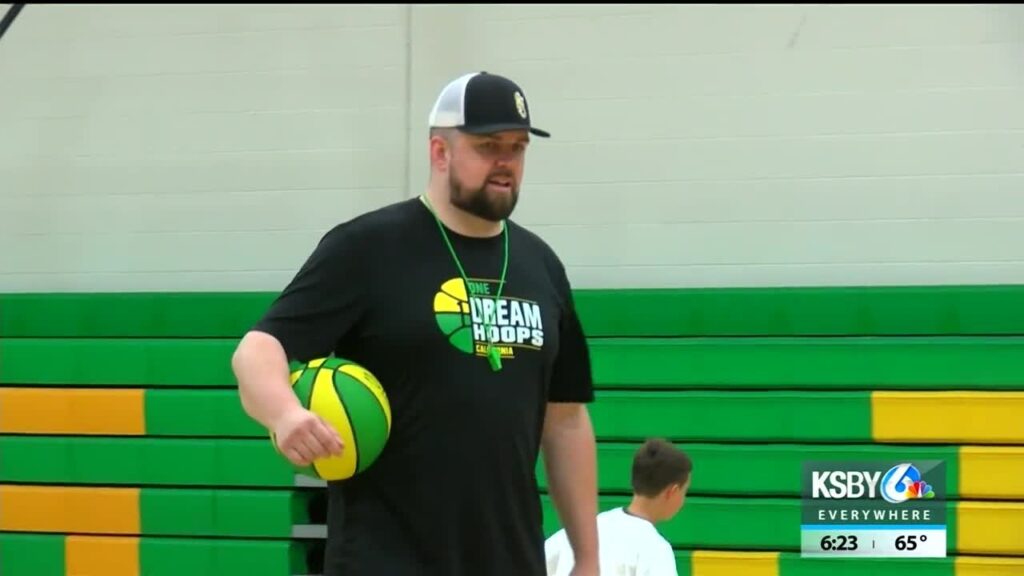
468, 322
630, 543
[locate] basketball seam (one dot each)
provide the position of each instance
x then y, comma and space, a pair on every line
309, 405
378, 402
312, 385
351, 425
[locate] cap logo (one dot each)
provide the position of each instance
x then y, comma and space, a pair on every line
520, 104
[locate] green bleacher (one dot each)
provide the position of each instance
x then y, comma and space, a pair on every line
751, 382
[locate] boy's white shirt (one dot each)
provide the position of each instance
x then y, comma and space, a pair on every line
628, 546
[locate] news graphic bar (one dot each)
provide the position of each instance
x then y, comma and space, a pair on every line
881, 509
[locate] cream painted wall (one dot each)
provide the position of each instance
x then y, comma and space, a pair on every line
204, 147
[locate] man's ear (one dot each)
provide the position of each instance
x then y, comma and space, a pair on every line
440, 150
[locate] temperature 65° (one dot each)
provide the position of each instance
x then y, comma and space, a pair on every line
909, 541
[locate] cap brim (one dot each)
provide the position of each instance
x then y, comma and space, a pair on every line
492, 128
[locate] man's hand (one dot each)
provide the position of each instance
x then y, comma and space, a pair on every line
302, 437
260, 365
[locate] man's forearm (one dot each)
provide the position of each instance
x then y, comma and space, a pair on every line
261, 368
571, 464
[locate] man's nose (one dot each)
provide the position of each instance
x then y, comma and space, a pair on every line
505, 158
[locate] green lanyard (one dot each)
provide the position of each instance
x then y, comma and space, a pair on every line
493, 354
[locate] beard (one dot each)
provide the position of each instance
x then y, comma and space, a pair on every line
478, 202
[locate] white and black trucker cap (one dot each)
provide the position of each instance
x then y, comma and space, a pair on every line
482, 103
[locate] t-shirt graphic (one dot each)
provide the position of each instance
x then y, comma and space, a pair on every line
470, 319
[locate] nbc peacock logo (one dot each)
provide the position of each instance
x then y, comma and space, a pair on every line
904, 482
470, 317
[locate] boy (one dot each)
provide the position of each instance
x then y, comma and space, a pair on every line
628, 542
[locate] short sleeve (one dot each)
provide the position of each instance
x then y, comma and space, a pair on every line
660, 562
571, 376
322, 302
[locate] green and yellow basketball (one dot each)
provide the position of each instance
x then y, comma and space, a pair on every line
352, 400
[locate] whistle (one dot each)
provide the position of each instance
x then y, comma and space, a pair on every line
494, 357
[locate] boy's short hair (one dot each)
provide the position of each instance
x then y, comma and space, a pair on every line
657, 465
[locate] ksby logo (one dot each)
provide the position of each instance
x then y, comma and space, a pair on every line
471, 318
900, 483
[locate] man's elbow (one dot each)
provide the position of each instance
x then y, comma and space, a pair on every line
256, 355
242, 354
253, 344
563, 418
568, 413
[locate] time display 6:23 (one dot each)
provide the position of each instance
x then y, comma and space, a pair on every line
841, 543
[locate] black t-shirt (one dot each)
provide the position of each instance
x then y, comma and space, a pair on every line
454, 492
